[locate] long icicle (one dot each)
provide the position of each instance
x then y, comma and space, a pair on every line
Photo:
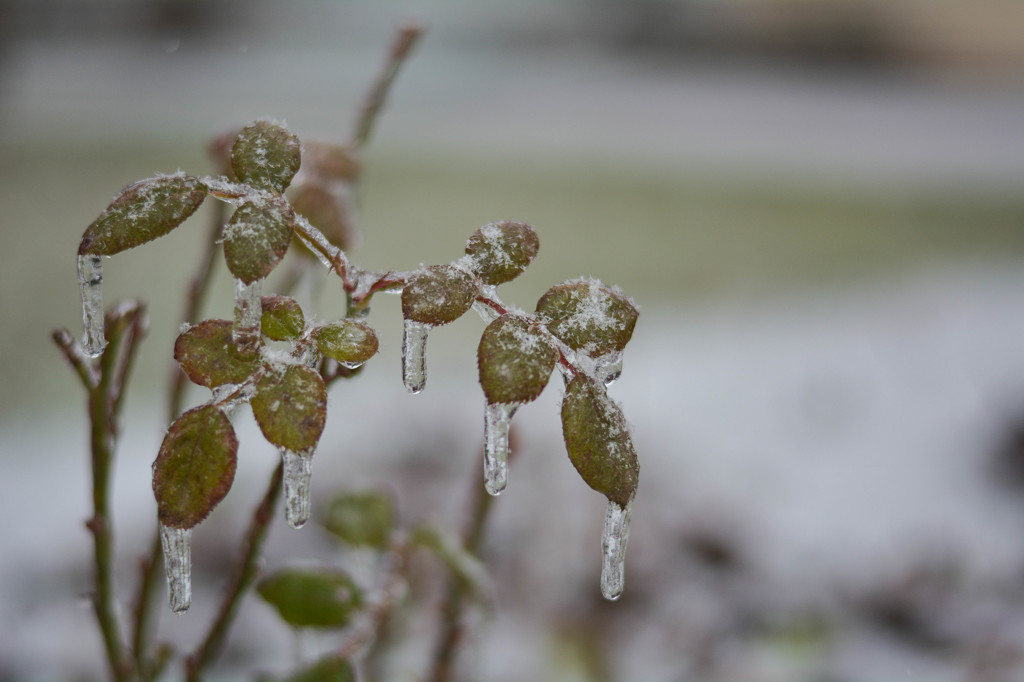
177, 546
90, 281
248, 312
414, 361
613, 546
298, 469
497, 419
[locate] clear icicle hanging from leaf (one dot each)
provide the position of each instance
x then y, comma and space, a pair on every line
614, 537
90, 280
177, 547
298, 470
497, 419
414, 355
248, 311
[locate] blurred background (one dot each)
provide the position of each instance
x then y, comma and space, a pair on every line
818, 206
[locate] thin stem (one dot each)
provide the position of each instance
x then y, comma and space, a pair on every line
142, 623
401, 46
450, 632
244, 575
367, 632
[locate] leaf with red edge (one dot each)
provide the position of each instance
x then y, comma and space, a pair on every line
290, 407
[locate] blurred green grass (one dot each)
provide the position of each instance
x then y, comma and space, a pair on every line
664, 235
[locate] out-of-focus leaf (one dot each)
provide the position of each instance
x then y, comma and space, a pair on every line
326, 212
361, 518
312, 598
331, 669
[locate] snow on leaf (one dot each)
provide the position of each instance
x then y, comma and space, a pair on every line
282, 318
266, 156
588, 316
500, 252
438, 295
515, 360
257, 237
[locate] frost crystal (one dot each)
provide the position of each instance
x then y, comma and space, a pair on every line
613, 546
497, 419
248, 311
90, 279
298, 469
414, 361
177, 546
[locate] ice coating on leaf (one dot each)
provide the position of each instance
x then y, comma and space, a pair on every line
349, 342
257, 237
142, 212
500, 252
248, 313
298, 469
614, 537
266, 155
208, 355
414, 355
176, 544
608, 367
90, 281
290, 406
515, 359
177, 548
588, 316
195, 467
497, 420
438, 295
281, 318
598, 441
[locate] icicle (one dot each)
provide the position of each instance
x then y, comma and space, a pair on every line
298, 469
90, 280
248, 311
414, 361
613, 545
497, 418
609, 367
177, 546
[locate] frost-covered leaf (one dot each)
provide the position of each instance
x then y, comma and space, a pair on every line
438, 295
361, 518
347, 341
312, 598
208, 355
326, 212
282, 318
515, 360
142, 212
257, 237
588, 316
290, 407
330, 669
502, 251
333, 161
195, 467
598, 441
266, 156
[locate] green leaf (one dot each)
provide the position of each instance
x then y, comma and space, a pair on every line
515, 359
326, 212
142, 212
330, 669
290, 406
502, 251
598, 441
361, 518
282, 318
312, 598
257, 237
438, 295
347, 341
266, 156
588, 316
195, 467
208, 355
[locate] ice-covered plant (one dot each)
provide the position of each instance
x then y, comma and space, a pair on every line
286, 195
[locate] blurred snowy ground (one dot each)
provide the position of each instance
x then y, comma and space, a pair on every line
830, 490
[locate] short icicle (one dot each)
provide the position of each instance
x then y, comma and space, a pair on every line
414, 361
613, 546
497, 419
248, 312
90, 280
609, 367
298, 469
177, 546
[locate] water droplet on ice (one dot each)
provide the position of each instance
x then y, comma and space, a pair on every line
248, 312
613, 546
609, 367
177, 546
497, 419
298, 470
414, 360
90, 280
